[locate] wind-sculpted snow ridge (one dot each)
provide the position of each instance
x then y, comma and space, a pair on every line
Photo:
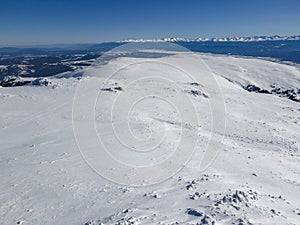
224, 39
282, 81
142, 115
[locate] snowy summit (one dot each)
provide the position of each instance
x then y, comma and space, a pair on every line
184, 138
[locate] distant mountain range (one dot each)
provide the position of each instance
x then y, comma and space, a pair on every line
225, 39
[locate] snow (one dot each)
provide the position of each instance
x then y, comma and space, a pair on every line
50, 177
3, 67
222, 39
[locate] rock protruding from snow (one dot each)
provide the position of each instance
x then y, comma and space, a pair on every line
41, 82
12, 81
291, 94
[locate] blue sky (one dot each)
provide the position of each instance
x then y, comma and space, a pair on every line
35, 22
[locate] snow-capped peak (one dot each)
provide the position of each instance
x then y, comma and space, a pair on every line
224, 39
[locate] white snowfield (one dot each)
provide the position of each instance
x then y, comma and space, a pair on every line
164, 119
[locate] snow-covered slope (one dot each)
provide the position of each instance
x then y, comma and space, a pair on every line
255, 177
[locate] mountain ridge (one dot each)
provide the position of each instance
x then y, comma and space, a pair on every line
223, 39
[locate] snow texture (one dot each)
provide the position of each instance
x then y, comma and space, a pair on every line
254, 179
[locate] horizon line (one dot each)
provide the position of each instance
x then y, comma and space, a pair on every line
166, 39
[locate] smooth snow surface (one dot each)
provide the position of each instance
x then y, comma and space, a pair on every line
167, 118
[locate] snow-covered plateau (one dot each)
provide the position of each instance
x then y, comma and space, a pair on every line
146, 111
